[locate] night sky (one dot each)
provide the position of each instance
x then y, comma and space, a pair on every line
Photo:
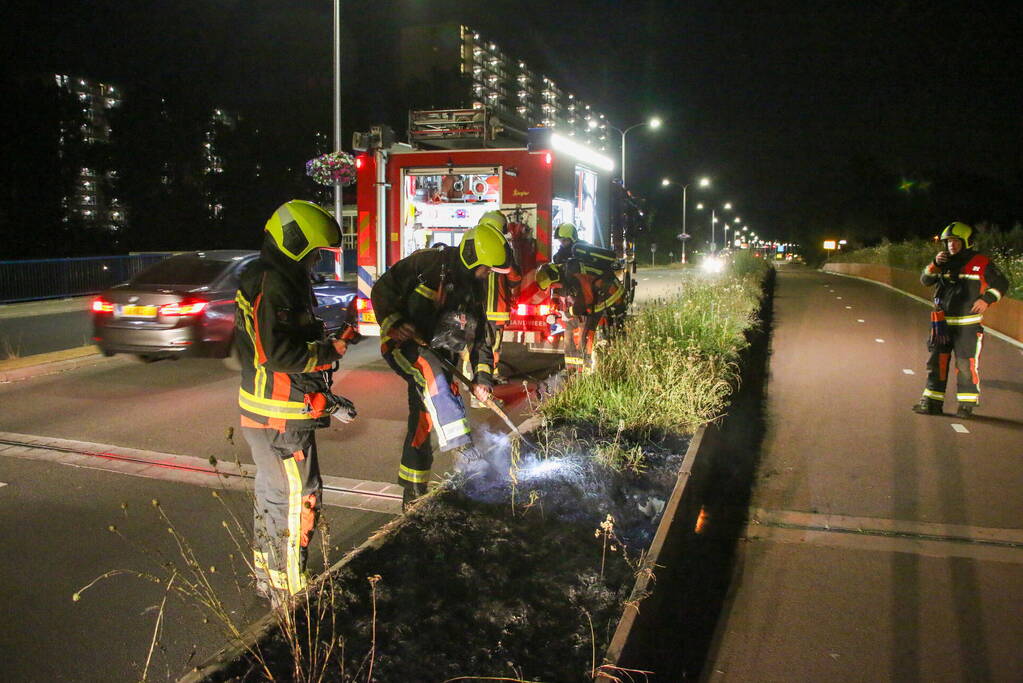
772, 99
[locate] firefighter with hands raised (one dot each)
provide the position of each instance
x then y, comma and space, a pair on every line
431, 303
965, 284
285, 393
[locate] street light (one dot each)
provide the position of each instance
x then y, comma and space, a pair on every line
713, 220
654, 123
338, 196
702, 182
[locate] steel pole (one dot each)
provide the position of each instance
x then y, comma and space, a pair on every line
623, 158
684, 222
713, 238
338, 192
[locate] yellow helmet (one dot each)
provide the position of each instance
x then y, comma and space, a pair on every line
566, 231
547, 275
494, 219
298, 227
959, 231
484, 245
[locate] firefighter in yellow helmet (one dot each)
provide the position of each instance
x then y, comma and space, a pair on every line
501, 289
965, 283
567, 236
430, 305
588, 301
285, 393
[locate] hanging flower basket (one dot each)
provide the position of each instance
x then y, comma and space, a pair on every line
333, 168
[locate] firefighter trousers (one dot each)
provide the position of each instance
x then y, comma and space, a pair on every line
965, 341
434, 404
288, 492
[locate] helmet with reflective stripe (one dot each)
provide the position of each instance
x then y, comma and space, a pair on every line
494, 219
959, 230
484, 245
566, 231
298, 227
547, 275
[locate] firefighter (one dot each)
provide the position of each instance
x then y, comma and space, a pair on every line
285, 392
500, 288
965, 284
423, 302
567, 236
590, 300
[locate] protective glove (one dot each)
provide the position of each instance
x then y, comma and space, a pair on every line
939, 330
320, 404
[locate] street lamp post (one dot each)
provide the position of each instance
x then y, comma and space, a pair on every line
338, 196
653, 123
702, 182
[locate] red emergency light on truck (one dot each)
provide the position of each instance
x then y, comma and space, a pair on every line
410, 199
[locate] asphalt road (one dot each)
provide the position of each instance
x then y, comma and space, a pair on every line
54, 518
882, 545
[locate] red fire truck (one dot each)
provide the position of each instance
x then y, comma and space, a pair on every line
411, 198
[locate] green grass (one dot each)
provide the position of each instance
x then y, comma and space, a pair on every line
676, 364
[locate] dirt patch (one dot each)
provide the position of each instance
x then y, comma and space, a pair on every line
473, 585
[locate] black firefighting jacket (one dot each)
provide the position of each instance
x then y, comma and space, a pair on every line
421, 286
281, 344
960, 281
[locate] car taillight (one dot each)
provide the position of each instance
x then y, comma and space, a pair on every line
101, 305
186, 307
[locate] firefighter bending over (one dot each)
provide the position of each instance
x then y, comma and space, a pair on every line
285, 393
430, 305
965, 283
500, 291
590, 299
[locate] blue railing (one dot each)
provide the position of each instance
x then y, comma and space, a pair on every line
63, 277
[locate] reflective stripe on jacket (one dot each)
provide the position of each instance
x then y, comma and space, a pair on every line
280, 343
962, 280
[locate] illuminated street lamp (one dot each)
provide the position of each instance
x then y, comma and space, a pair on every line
713, 220
702, 182
654, 123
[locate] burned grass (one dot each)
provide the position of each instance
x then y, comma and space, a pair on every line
472, 586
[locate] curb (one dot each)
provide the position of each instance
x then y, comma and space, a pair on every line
48, 363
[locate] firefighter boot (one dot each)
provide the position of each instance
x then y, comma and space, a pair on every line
411, 493
927, 406
965, 411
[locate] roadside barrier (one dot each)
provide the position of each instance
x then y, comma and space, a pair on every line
34, 279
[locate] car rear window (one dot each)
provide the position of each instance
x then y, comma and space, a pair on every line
182, 270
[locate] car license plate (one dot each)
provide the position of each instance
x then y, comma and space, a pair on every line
135, 311
368, 317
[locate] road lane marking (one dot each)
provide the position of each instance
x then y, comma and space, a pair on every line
879, 341
907, 371
886, 535
3, 484
861, 320
355, 494
839, 298
960, 428
848, 308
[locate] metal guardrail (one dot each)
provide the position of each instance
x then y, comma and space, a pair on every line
35, 279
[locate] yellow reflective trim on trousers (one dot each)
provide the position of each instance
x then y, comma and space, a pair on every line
425, 291
414, 476
610, 301
968, 398
573, 360
293, 560
936, 395
964, 320
278, 579
483, 367
269, 407
388, 323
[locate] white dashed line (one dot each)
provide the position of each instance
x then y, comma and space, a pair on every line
838, 297
960, 428
3, 483
861, 320
907, 371
879, 341
849, 307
